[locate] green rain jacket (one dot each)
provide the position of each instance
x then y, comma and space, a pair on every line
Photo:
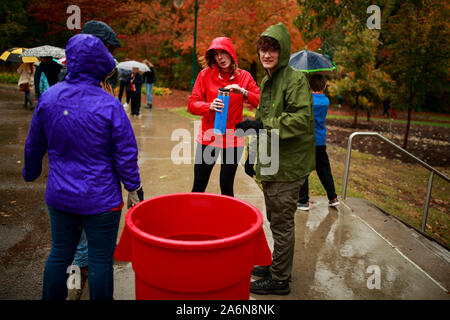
285, 104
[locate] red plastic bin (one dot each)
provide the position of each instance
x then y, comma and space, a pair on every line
193, 246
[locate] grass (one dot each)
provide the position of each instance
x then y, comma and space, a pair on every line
396, 187
9, 77
420, 122
183, 111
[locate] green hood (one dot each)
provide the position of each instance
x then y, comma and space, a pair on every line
280, 33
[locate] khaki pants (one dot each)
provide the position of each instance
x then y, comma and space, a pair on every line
281, 204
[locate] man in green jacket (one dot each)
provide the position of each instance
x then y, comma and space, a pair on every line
286, 115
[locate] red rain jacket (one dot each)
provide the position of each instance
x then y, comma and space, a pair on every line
205, 91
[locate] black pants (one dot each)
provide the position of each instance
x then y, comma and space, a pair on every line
206, 157
323, 170
124, 86
135, 102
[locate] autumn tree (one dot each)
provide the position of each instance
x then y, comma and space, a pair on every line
360, 82
417, 38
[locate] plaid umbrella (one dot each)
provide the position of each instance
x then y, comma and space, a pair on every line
308, 61
45, 51
15, 55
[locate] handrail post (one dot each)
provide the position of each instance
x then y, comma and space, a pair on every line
427, 201
347, 165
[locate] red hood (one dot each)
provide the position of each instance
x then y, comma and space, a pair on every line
224, 43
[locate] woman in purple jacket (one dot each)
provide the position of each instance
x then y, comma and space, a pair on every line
91, 150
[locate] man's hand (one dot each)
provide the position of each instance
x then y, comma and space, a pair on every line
246, 125
134, 197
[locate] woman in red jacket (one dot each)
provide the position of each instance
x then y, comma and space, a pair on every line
220, 71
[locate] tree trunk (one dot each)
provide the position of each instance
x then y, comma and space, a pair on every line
408, 124
355, 119
368, 114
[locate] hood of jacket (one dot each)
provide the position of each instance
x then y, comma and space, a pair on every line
102, 31
87, 60
223, 43
280, 33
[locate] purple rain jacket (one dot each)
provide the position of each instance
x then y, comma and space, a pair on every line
87, 134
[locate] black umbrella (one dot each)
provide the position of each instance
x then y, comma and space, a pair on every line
308, 61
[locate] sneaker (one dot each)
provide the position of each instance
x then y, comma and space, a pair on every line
269, 286
148, 106
303, 206
262, 271
125, 105
333, 203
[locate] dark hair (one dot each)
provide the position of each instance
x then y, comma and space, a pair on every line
265, 43
317, 82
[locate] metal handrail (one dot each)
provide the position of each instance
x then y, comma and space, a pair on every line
432, 170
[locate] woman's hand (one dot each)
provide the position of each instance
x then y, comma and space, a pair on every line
236, 89
216, 105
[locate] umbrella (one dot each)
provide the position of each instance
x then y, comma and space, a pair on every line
308, 61
129, 65
61, 61
15, 55
45, 51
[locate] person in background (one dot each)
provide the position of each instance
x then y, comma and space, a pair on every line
124, 80
149, 80
91, 150
220, 70
26, 82
135, 92
46, 75
318, 84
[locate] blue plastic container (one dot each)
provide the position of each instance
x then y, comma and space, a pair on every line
220, 124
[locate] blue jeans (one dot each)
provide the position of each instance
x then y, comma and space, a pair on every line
148, 90
101, 232
81, 256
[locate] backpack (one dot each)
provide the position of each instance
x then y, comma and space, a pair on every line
43, 83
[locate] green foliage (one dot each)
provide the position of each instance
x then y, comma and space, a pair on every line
360, 83
12, 17
417, 38
157, 91
9, 77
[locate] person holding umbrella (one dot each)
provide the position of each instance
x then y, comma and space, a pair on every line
135, 91
91, 151
46, 75
317, 64
318, 84
26, 82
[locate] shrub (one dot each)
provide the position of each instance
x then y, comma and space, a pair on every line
9, 77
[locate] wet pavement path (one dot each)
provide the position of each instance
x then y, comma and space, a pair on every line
24, 225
